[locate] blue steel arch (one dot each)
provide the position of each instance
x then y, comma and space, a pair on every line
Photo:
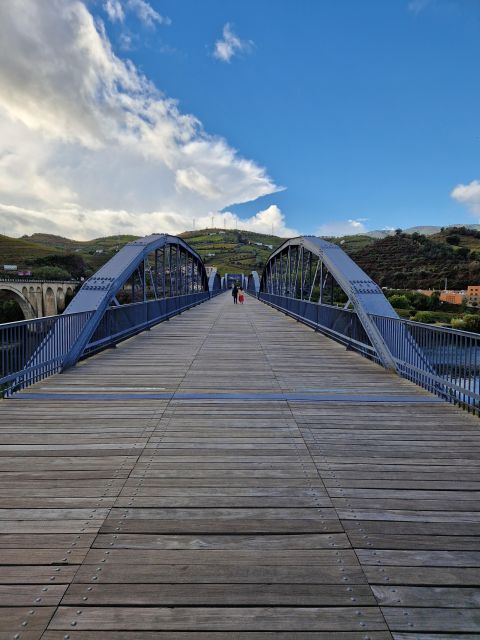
214, 282
284, 275
99, 292
253, 283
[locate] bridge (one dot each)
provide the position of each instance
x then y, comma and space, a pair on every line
287, 468
38, 298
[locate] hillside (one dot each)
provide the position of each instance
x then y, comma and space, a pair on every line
229, 250
417, 262
18, 251
399, 261
233, 251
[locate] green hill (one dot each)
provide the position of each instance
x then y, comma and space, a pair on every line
229, 250
18, 251
412, 261
233, 251
420, 262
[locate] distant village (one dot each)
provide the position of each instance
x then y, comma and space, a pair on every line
470, 297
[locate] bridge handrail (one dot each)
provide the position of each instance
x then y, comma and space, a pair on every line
442, 360
22, 362
445, 361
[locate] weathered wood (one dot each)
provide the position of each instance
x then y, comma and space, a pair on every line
241, 518
225, 618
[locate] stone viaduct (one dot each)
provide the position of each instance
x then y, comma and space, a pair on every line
37, 298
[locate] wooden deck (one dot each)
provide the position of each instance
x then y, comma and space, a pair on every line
322, 498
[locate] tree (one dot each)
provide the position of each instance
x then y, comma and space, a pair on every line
424, 316
56, 273
399, 301
453, 239
434, 301
471, 322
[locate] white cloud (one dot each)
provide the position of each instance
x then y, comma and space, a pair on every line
114, 10
82, 224
88, 145
417, 6
146, 13
230, 45
338, 228
270, 220
469, 195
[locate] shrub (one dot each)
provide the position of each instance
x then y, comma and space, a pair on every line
51, 272
471, 322
457, 323
399, 301
424, 316
453, 239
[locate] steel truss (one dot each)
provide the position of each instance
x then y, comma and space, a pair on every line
310, 269
154, 268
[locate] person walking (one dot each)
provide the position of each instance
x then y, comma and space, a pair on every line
241, 296
235, 293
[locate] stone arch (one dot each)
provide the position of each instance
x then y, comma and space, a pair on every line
50, 302
9, 292
60, 300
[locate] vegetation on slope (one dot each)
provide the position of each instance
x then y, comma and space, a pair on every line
409, 261
420, 262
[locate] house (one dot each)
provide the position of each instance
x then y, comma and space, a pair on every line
452, 297
473, 294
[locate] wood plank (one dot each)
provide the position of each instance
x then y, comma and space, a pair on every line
254, 618
224, 594
220, 635
312, 574
449, 597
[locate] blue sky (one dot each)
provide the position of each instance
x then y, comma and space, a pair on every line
366, 112
361, 109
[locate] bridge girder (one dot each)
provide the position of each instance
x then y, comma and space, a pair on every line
299, 264
177, 270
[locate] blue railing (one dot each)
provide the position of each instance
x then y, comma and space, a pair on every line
444, 361
31, 350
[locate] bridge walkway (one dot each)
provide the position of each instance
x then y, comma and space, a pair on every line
232, 474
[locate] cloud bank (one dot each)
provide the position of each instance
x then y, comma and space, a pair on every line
88, 146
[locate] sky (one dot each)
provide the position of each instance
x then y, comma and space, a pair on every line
324, 117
